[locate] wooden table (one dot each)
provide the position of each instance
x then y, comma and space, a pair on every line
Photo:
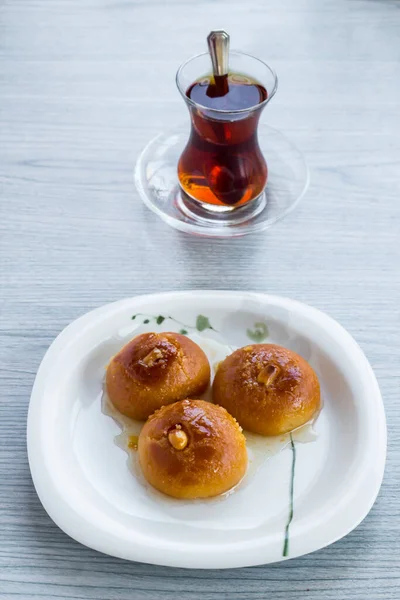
84, 84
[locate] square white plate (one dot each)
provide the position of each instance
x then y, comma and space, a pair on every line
82, 477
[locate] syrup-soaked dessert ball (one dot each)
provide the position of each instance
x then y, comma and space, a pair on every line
192, 449
269, 389
155, 369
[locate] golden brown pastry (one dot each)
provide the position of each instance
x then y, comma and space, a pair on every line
270, 390
192, 449
155, 369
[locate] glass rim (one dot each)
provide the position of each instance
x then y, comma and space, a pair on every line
220, 110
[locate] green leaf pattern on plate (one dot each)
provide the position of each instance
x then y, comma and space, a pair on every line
259, 333
202, 323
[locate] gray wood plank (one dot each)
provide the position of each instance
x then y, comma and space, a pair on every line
83, 86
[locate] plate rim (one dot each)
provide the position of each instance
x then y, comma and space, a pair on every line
239, 556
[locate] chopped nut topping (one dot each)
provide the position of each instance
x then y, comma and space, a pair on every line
178, 438
268, 375
152, 357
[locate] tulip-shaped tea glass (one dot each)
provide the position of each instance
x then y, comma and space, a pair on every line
222, 167
227, 175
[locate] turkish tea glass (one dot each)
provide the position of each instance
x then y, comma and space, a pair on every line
222, 170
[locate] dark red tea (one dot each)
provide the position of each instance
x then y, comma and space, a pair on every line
222, 163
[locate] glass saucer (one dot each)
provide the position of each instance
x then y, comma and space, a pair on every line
157, 183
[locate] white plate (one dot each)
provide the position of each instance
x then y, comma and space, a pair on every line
82, 477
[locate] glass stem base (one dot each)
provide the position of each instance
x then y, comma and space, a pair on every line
223, 215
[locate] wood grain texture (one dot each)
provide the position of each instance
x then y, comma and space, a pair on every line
84, 84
